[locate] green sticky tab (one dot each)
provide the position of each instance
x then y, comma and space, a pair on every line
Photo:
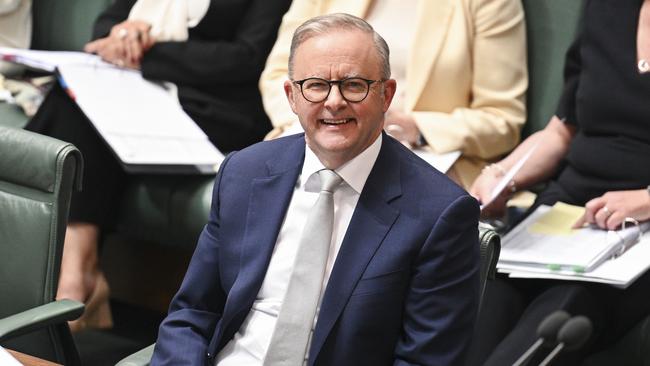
578, 269
554, 267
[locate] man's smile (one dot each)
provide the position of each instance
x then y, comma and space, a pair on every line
339, 121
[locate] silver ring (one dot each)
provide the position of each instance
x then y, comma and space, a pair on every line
607, 211
122, 33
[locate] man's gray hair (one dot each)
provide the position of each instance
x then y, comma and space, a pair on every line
325, 23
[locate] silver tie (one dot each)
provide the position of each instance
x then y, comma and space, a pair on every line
292, 330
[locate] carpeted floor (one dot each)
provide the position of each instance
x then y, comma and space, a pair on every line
135, 328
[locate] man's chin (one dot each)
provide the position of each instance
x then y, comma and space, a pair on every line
332, 141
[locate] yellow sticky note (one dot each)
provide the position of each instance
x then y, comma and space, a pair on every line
558, 220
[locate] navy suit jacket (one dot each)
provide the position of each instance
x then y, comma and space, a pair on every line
403, 289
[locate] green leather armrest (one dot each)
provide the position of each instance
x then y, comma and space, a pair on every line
140, 358
49, 314
490, 248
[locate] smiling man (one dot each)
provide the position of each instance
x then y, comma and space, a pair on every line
333, 247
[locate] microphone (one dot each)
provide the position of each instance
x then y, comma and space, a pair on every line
572, 335
547, 332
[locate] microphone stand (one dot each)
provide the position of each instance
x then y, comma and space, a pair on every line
552, 355
523, 360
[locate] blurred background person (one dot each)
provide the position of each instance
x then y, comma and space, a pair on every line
15, 29
594, 151
214, 52
460, 67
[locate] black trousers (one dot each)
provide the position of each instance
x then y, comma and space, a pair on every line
513, 309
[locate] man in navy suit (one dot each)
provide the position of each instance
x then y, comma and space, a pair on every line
401, 282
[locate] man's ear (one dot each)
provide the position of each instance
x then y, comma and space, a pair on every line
291, 96
390, 87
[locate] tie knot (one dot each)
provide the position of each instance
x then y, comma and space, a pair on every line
329, 180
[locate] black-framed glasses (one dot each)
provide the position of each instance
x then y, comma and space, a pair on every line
353, 90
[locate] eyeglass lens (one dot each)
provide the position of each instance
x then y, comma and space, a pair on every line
352, 89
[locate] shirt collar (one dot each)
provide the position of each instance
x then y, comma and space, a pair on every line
355, 172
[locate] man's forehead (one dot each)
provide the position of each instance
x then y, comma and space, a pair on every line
346, 53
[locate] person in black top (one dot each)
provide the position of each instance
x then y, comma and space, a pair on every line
214, 58
595, 152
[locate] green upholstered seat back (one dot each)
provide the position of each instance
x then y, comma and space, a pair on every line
64, 24
37, 175
551, 26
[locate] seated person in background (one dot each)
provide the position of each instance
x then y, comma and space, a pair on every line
383, 269
460, 67
15, 29
595, 151
214, 51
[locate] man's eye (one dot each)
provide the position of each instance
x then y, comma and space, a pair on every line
354, 85
316, 85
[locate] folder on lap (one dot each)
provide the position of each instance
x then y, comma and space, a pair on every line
545, 246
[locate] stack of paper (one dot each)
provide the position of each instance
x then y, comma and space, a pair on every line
49, 60
545, 246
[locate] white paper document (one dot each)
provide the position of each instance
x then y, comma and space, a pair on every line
6, 359
587, 254
142, 121
505, 180
442, 162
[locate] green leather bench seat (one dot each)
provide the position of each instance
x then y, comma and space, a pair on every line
550, 28
169, 210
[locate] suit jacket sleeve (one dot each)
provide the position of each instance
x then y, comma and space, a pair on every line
442, 302
491, 124
205, 62
195, 310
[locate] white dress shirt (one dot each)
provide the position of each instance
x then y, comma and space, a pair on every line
248, 346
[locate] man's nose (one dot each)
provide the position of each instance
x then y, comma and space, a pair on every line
335, 100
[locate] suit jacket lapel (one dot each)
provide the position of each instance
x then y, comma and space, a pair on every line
371, 221
269, 200
431, 30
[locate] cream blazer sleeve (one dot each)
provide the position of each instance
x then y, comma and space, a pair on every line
473, 99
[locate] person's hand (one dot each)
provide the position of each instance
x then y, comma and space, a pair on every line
402, 127
609, 210
482, 189
125, 45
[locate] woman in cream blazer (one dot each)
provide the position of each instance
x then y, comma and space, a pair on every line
466, 75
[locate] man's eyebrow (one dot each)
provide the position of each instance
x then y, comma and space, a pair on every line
352, 75
344, 76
